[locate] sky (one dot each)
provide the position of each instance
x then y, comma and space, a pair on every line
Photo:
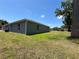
41, 11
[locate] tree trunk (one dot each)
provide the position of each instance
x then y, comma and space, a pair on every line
75, 21
69, 28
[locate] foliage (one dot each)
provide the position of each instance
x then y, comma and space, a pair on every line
3, 22
66, 12
63, 26
57, 29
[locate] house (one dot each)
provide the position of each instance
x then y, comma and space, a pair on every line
0, 27
25, 26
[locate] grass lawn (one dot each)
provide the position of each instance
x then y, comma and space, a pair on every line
51, 45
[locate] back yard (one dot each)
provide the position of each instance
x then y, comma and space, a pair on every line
52, 45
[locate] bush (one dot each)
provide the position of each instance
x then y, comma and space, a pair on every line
6, 30
57, 29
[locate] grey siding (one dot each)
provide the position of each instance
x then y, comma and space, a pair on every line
14, 27
26, 27
33, 28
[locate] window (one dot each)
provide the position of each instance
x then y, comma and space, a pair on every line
18, 26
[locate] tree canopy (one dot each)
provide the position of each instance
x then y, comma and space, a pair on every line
3, 22
66, 12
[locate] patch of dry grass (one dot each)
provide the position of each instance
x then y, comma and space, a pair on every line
52, 45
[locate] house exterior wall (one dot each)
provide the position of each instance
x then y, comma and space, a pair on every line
75, 21
33, 28
26, 27
1, 27
17, 27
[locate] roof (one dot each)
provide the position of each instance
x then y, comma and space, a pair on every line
22, 20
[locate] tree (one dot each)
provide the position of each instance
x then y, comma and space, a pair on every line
57, 29
3, 22
66, 12
63, 27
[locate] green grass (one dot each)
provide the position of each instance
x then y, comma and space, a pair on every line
54, 35
51, 45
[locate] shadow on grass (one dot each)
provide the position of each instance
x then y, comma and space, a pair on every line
36, 33
74, 39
